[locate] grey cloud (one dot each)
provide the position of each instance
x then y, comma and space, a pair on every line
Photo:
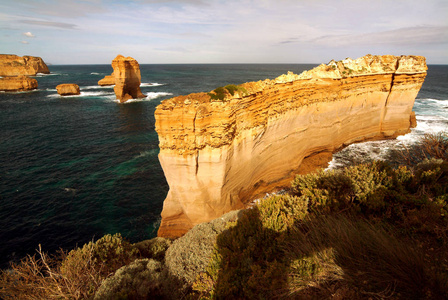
403, 36
50, 24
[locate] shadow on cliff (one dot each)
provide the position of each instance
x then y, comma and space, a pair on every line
317, 258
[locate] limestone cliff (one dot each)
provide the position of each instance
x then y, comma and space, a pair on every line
67, 89
127, 78
222, 149
13, 65
17, 83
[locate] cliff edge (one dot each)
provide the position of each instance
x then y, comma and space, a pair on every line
222, 149
13, 65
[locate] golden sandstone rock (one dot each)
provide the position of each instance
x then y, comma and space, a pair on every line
68, 89
107, 80
127, 78
13, 65
17, 83
218, 155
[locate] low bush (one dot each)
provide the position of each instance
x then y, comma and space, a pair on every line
154, 248
221, 92
142, 279
366, 258
73, 275
189, 255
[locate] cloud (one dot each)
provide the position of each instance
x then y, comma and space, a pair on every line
29, 34
404, 36
50, 24
24, 42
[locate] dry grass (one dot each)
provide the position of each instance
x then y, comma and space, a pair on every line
41, 277
430, 145
355, 255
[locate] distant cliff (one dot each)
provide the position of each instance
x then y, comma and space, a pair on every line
220, 150
13, 65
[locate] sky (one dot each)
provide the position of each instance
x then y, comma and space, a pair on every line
229, 31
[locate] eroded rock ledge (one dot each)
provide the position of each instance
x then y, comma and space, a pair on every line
219, 152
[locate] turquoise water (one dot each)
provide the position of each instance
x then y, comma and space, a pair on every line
75, 168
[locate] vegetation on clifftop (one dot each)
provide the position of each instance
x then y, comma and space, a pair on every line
373, 230
221, 92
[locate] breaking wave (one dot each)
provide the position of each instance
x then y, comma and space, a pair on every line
151, 84
84, 94
150, 96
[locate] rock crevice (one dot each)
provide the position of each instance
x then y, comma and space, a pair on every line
219, 154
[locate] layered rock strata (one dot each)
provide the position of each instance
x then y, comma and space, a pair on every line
222, 149
127, 78
13, 65
68, 89
17, 83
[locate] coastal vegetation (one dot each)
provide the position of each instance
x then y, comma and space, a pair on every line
371, 230
220, 92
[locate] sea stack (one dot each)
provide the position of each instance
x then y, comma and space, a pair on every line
68, 89
223, 149
19, 83
107, 80
127, 78
13, 65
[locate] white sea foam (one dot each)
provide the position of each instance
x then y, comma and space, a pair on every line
149, 96
95, 87
51, 74
152, 95
151, 84
377, 150
95, 73
83, 94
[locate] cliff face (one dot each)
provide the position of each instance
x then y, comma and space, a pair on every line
13, 65
127, 78
219, 154
17, 84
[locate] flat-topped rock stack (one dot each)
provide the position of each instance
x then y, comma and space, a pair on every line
68, 89
220, 150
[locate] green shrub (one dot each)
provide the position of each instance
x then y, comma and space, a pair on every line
363, 256
154, 248
142, 279
189, 255
247, 261
221, 92
108, 253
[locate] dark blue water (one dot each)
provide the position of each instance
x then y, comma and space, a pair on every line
76, 168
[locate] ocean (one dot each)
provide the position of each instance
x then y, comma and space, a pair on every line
75, 168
